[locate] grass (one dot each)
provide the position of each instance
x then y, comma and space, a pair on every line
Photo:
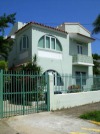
93, 115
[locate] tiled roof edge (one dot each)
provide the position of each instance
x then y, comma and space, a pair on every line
39, 24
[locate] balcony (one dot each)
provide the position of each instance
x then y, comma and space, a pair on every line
82, 60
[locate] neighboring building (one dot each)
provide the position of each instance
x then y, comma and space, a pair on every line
62, 50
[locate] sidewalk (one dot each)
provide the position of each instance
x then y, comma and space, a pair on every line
58, 122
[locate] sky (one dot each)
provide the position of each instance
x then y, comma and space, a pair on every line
55, 12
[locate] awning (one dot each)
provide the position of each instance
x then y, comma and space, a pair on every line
81, 37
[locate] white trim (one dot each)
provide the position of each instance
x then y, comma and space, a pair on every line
81, 63
50, 55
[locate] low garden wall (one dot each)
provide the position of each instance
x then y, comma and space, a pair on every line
60, 101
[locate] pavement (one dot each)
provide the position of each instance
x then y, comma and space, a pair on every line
58, 122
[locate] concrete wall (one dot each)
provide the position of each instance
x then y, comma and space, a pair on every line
49, 62
60, 101
62, 65
73, 48
16, 56
74, 28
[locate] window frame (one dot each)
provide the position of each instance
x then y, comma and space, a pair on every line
78, 75
50, 39
22, 48
79, 49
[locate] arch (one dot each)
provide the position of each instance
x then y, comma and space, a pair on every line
50, 42
57, 77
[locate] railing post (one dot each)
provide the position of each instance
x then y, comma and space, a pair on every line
1, 93
81, 80
37, 76
23, 93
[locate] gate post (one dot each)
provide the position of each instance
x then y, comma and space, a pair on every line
51, 93
1, 93
48, 92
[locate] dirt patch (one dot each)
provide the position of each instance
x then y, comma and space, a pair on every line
77, 111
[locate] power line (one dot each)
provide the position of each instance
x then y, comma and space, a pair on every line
96, 38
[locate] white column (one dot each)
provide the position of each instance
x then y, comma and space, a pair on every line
51, 87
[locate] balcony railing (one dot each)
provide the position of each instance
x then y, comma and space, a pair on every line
82, 60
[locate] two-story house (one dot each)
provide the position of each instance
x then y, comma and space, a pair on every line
62, 50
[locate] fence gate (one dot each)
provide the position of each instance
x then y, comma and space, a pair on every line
23, 93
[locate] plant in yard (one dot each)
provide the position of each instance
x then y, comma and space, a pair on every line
30, 80
93, 115
3, 65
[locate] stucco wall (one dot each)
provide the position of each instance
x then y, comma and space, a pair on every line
74, 28
60, 101
73, 48
74, 99
16, 57
63, 65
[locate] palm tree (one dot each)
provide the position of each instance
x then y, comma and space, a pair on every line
96, 25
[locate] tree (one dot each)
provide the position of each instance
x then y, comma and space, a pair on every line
3, 65
96, 61
96, 25
5, 44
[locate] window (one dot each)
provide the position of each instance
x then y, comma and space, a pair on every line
79, 49
24, 43
49, 42
52, 43
81, 78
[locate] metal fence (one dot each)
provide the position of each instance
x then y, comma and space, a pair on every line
73, 84
23, 93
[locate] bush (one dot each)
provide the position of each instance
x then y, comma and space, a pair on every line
3, 65
93, 115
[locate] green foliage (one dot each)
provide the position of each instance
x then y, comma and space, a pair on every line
3, 65
5, 47
93, 115
96, 25
32, 66
5, 20
96, 61
33, 81
5, 44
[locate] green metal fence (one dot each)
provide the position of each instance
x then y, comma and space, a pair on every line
23, 93
73, 84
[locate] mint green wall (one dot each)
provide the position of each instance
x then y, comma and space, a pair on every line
14, 56
80, 69
73, 48
69, 47
61, 66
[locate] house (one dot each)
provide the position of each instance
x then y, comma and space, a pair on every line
62, 50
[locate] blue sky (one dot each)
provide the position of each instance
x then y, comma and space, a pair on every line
55, 12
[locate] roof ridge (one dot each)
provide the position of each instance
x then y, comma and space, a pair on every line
40, 24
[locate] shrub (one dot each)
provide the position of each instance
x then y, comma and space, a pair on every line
3, 65
93, 115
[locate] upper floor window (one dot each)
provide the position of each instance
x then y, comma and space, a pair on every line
24, 43
79, 49
49, 42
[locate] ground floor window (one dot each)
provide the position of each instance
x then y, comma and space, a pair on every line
80, 78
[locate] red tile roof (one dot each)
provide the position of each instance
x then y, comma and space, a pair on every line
42, 25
